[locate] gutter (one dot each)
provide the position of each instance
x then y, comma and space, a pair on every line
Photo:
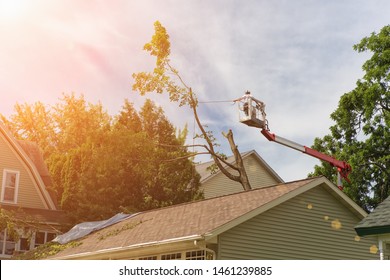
373, 230
194, 238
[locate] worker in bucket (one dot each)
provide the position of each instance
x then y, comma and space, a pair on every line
247, 99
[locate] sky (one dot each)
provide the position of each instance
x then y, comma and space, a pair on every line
295, 56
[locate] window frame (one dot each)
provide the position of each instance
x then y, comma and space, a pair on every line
46, 237
6, 173
4, 241
195, 254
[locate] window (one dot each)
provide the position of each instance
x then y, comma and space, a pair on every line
39, 238
42, 237
50, 236
10, 186
195, 255
175, 256
24, 244
203, 254
200, 255
7, 246
149, 258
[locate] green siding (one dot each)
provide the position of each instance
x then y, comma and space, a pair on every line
257, 173
300, 228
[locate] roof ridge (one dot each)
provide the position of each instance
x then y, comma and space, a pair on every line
309, 179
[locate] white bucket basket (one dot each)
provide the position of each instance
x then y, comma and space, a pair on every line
250, 114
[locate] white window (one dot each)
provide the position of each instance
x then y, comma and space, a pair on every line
148, 258
38, 238
196, 255
42, 237
203, 254
7, 246
175, 256
10, 186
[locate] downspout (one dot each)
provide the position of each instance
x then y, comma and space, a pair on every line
381, 253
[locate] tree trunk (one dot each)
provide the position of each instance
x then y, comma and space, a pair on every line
240, 164
242, 178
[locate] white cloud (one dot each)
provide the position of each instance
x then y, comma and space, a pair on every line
296, 56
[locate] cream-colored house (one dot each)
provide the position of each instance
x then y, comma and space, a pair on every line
24, 194
306, 219
260, 174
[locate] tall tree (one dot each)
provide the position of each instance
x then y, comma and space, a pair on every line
361, 134
128, 118
165, 78
101, 165
33, 123
170, 179
78, 121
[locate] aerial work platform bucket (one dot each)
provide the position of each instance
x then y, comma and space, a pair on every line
251, 115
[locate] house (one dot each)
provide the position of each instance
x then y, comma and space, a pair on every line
25, 195
260, 174
377, 225
306, 219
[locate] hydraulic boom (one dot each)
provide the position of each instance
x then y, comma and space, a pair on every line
343, 168
252, 113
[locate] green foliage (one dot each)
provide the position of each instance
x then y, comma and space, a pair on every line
165, 78
33, 123
46, 250
9, 222
361, 134
17, 223
101, 165
160, 80
114, 232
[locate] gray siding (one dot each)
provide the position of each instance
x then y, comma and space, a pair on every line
313, 225
259, 176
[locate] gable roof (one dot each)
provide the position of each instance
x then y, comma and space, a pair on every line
377, 222
200, 220
34, 153
36, 176
205, 174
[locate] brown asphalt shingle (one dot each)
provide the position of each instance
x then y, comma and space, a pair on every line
179, 221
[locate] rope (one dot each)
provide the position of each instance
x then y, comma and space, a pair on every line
193, 150
216, 101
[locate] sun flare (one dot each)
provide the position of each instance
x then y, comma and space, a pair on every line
12, 9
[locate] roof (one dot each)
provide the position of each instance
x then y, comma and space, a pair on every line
205, 174
35, 154
377, 222
200, 220
42, 216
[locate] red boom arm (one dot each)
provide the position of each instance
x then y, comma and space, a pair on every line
343, 168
